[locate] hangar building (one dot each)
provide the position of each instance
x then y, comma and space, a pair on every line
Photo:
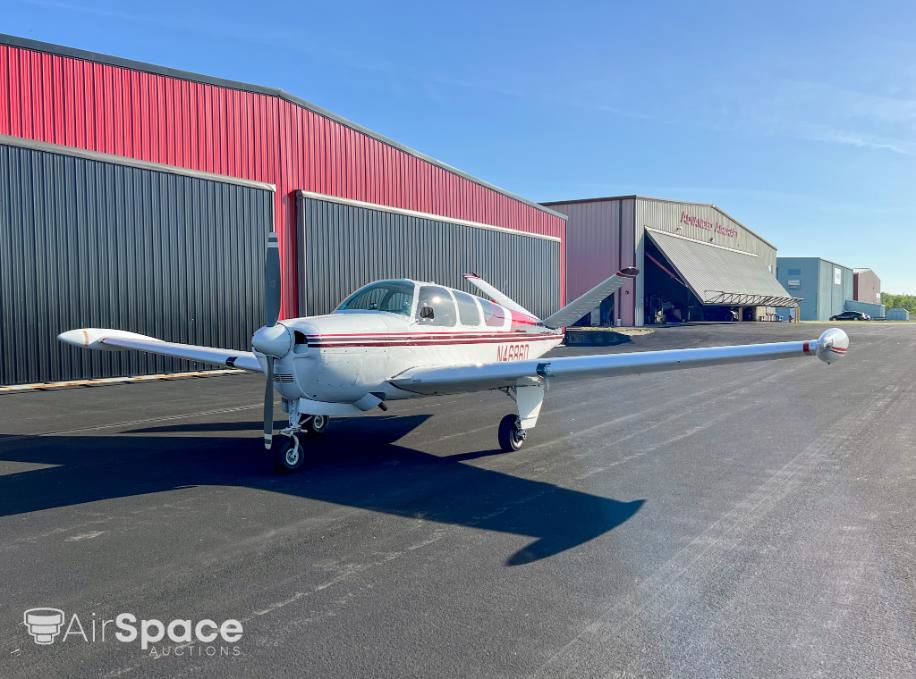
824, 286
140, 197
695, 261
827, 288
866, 286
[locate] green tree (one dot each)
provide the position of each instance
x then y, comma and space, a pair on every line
892, 301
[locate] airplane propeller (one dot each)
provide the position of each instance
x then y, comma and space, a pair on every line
273, 339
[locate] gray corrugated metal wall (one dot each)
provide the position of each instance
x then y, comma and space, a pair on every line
344, 246
86, 242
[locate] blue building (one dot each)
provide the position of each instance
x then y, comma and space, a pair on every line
824, 286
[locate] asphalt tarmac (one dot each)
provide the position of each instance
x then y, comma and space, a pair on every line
753, 520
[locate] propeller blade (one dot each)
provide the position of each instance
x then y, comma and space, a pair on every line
269, 404
272, 281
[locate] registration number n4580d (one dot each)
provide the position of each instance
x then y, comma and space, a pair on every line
511, 352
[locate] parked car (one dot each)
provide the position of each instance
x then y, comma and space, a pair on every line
851, 316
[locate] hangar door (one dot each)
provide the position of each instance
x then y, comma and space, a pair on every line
88, 240
344, 245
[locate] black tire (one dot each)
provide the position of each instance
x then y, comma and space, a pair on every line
316, 424
288, 457
511, 436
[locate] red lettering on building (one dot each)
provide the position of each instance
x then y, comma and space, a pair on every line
699, 222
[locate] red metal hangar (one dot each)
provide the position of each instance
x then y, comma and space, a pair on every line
139, 197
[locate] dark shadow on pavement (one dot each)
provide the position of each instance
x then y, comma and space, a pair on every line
357, 463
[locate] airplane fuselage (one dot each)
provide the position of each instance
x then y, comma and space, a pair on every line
340, 357
340, 361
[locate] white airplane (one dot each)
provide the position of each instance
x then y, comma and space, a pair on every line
399, 339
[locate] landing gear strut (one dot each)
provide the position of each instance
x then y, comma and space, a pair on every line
289, 453
528, 396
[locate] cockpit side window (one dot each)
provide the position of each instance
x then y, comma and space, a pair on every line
394, 297
435, 307
467, 309
493, 314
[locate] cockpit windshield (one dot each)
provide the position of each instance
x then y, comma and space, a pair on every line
395, 297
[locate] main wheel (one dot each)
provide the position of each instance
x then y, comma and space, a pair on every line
511, 435
316, 424
288, 455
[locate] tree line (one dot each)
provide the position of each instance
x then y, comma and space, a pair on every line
892, 301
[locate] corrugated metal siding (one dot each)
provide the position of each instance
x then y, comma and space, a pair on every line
599, 242
680, 219
808, 289
832, 295
123, 111
823, 297
866, 286
343, 247
87, 243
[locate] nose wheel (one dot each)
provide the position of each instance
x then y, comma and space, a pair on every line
511, 434
288, 454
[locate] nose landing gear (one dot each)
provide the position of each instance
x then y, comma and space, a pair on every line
288, 450
288, 453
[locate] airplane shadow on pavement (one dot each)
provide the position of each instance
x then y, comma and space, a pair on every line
356, 463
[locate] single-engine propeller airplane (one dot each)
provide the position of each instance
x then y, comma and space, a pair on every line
399, 339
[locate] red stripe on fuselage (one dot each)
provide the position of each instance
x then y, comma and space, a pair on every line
520, 320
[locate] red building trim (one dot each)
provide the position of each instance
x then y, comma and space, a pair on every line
62, 96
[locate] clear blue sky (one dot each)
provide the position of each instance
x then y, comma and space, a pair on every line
799, 119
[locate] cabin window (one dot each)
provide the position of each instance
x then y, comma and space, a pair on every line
467, 309
493, 314
435, 307
394, 297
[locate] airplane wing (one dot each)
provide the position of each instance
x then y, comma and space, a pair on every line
830, 346
119, 340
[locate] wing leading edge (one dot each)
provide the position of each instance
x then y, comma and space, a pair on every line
829, 347
117, 340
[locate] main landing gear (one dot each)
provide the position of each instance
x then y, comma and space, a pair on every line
528, 396
511, 434
288, 450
